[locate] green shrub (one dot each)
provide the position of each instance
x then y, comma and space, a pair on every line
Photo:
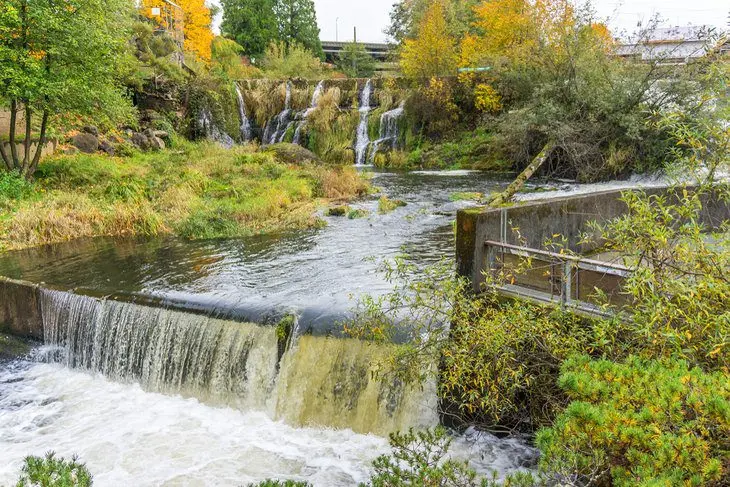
639, 423
14, 187
51, 471
418, 459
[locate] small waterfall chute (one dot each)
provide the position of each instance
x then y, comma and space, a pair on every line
245, 122
318, 90
277, 127
389, 132
362, 141
211, 130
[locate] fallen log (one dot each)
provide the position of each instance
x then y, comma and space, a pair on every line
507, 195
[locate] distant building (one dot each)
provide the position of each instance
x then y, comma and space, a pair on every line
676, 45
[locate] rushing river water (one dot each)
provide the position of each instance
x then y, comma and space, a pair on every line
152, 396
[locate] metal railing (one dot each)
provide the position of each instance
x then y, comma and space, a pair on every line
567, 280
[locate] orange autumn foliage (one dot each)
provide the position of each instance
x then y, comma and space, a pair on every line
197, 24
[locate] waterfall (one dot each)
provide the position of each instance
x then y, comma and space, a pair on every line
277, 127
211, 130
305, 115
363, 140
245, 122
388, 130
317, 381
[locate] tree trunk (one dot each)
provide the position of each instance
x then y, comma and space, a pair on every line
28, 134
13, 121
516, 185
5, 157
41, 144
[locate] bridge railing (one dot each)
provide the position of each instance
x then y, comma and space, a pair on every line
549, 277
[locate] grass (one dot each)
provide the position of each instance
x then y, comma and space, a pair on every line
195, 191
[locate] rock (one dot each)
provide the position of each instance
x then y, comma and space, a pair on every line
69, 150
85, 142
161, 134
293, 154
140, 140
91, 129
107, 147
156, 143
12, 347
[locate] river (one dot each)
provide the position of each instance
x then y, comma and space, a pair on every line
148, 396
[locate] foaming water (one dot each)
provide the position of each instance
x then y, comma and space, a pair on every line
131, 437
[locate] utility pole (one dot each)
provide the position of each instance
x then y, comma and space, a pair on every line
337, 29
354, 56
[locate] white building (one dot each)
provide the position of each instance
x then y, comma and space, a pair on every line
676, 45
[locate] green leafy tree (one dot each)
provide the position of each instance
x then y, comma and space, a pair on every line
228, 62
59, 57
251, 23
355, 61
297, 21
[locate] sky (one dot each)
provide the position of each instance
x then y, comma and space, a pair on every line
337, 18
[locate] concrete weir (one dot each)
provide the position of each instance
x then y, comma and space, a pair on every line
534, 223
20, 310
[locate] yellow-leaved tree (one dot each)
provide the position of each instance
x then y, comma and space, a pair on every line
433, 52
198, 33
514, 30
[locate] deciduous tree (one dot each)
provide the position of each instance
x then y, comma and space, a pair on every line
298, 24
433, 51
198, 33
355, 62
251, 23
59, 57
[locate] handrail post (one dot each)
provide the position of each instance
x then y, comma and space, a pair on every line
566, 287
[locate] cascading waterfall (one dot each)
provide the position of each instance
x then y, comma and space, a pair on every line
318, 381
277, 127
211, 130
245, 122
305, 115
389, 132
362, 142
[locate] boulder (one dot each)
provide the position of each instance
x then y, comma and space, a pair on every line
156, 143
107, 147
140, 140
292, 154
161, 134
91, 129
85, 142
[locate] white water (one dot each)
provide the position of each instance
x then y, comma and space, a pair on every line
245, 122
276, 129
388, 130
363, 139
305, 115
211, 130
127, 436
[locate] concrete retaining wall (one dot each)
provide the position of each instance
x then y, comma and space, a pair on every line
532, 224
20, 310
